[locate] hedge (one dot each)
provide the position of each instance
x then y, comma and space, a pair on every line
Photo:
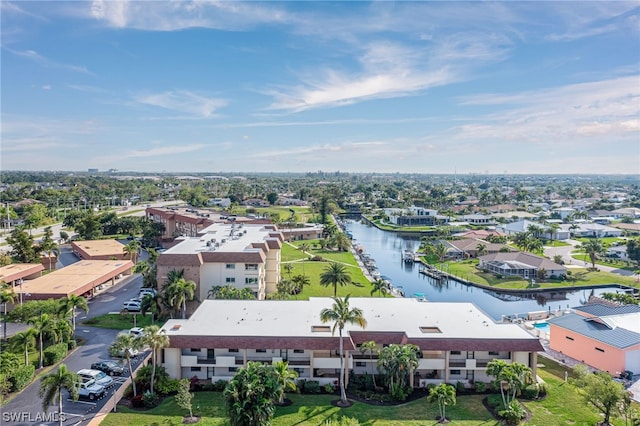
20, 377
55, 353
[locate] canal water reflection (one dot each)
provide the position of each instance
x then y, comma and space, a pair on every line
387, 249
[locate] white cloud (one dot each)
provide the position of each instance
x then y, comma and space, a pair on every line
183, 101
46, 62
163, 150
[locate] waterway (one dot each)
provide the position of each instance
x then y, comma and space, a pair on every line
387, 249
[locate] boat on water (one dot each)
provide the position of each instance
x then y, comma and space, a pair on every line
419, 296
408, 256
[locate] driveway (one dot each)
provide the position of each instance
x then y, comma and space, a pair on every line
569, 262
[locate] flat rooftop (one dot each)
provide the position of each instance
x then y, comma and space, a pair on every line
17, 271
99, 247
455, 320
224, 237
77, 278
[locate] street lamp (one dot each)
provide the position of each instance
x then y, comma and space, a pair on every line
20, 281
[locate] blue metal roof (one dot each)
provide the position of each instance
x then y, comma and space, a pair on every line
618, 337
602, 310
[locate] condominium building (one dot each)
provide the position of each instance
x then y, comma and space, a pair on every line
240, 255
456, 340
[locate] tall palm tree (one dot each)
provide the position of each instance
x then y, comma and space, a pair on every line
156, 339
482, 249
7, 295
304, 248
151, 303
132, 249
61, 331
24, 340
593, 248
179, 292
42, 324
334, 275
53, 384
299, 282
341, 314
48, 245
371, 347
127, 344
68, 307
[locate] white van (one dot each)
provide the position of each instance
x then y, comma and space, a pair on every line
98, 376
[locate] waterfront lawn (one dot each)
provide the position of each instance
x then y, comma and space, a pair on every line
312, 269
119, 321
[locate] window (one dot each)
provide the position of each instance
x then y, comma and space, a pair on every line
233, 369
361, 364
230, 280
599, 349
230, 266
195, 349
454, 372
298, 351
233, 351
261, 351
251, 267
196, 368
455, 352
568, 338
251, 281
320, 328
494, 353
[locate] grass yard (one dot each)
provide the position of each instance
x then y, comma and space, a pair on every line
119, 321
313, 270
619, 264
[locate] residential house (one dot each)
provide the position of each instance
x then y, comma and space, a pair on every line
602, 336
478, 219
468, 247
595, 230
619, 252
456, 340
523, 264
414, 216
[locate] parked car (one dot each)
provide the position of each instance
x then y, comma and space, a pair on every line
135, 331
98, 376
131, 306
90, 390
111, 368
145, 290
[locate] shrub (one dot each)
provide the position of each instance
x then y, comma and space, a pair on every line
150, 399
480, 387
530, 392
20, 377
168, 386
328, 388
494, 401
219, 385
311, 386
33, 308
72, 344
460, 387
513, 413
137, 401
398, 393
317, 258
55, 353
342, 421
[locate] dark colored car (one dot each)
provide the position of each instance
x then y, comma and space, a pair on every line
111, 368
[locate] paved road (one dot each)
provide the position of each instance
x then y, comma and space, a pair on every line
24, 409
569, 262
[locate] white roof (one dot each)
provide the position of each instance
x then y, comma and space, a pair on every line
297, 317
629, 322
228, 237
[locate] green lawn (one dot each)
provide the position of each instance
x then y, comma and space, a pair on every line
562, 406
119, 321
619, 264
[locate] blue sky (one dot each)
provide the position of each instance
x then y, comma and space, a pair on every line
426, 87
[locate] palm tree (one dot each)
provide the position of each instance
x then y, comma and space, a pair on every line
42, 324
68, 307
61, 331
444, 395
299, 282
48, 245
132, 249
371, 347
440, 251
552, 229
24, 340
286, 379
52, 385
398, 361
151, 303
288, 268
304, 248
482, 249
179, 292
379, 286
592, 248
127, 344
334, 275
156, 339
7, 295
341, 314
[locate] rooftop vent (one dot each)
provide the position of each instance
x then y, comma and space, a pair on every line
430, 330
320, 328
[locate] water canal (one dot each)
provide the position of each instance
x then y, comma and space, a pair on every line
387, 249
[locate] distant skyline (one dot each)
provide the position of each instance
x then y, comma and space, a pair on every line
410, 87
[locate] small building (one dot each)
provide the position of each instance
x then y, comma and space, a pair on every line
523, 264
594, 230
602, 336
16, 273
310, 232
99, 250
80, 278
478, 219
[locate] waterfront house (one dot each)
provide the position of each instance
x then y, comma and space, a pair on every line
468, 247
602, 336
523, 264
456, 340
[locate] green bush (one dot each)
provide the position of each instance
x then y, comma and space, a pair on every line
167, 386
514, 413
311, 386
480, 387
398, 393
329, 388
460, 387
219, 385
33, 308
55, 353
150, 399
530, 392
20, 377
494, 401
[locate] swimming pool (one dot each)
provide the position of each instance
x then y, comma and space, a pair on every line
542, 326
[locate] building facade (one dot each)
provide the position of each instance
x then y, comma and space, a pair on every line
456, 340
